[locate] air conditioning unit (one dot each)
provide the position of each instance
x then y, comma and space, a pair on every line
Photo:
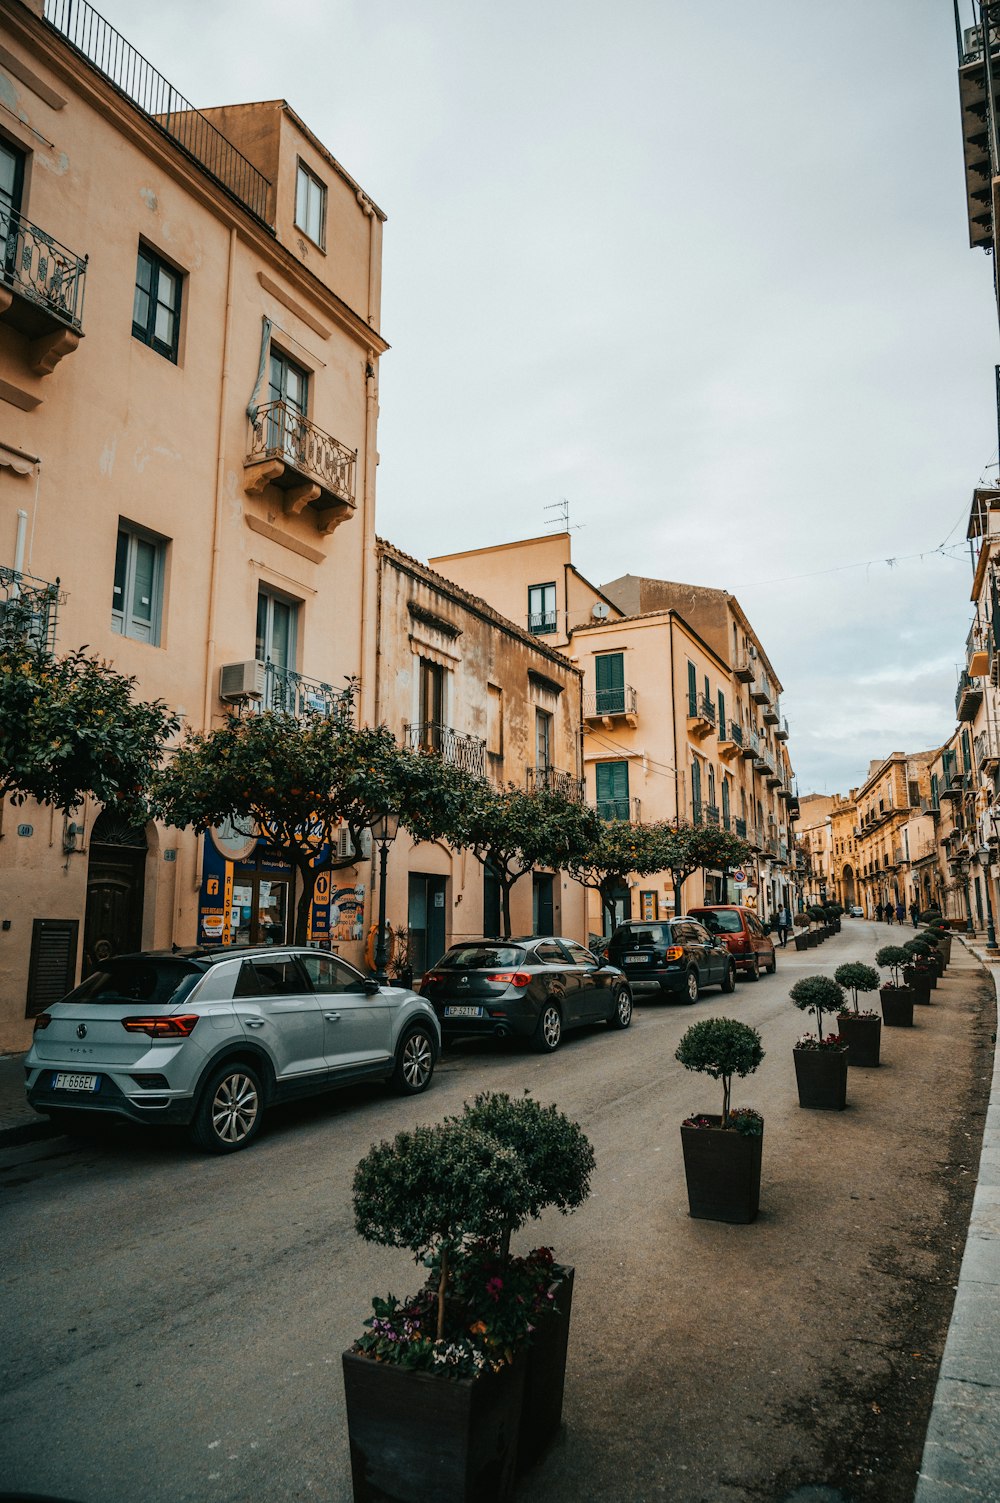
751, 651
242, 681
345, 845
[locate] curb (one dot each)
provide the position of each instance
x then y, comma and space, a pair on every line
28, 1132
960, 1451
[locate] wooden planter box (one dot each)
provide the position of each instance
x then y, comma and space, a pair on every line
801, 941
812, 939
921, 983
722, 1168
545, 1376
897, 1006
821, 1076
863, 1037
418, 1438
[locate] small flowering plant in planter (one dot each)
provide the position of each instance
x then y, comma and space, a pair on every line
722, 1154
860, 1031
820, 1062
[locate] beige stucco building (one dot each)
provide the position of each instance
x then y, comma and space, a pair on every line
681, 709
189, 353
455, 677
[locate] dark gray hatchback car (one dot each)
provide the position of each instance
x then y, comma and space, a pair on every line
677, 956
210, 1038
532, 988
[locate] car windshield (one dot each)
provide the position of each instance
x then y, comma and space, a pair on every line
723, 922
479, 957
643, 934
161, 981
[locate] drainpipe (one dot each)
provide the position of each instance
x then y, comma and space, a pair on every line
220, 480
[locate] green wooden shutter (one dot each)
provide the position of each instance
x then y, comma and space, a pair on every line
696, 792
722, 716
935, 798
612, 790
725, 798
692, 690
610, 671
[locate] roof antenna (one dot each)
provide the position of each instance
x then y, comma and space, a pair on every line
561, 518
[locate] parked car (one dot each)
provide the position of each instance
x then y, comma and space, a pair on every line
748, 941
855, 912
532, 989
210, 1038
678, 956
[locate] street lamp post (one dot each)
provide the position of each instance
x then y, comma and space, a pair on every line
384, 831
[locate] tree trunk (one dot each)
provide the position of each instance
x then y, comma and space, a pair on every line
505, 886
307, 876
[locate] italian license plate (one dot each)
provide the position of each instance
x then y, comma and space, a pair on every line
62, 1081
637, 960
463, 1012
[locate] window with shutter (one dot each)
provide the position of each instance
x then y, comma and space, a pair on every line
609, 669
692, 690
612, 790
52, 966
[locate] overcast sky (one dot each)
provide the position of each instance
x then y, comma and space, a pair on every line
701, 270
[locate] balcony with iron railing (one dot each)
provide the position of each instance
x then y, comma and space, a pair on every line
745, 670
760, 690
314, 469
554, 780
29, 608
106, 50
968, 697
750, 745
291, 693
771, 714
977, 653
41, 290
740, 826
781, 729
541, 623
712, 814
465, 752
608, 704
700, 715
618, 808
987, 753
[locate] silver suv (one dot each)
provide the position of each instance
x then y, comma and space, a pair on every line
209, 1038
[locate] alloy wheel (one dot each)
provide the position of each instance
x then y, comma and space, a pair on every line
235, 1107
417, 1062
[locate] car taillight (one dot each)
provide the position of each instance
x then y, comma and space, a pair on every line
162, 1028
510, 978
42, 1021
674, 952
429, 977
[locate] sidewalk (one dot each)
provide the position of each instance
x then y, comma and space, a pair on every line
18, 1122
961, 1457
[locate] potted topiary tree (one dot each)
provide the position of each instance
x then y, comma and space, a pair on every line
801, 922
434, 1406
835, 912
861, 1031
919, 974
897, 999
818, 918
941, 932
558, 1160
820, 1063
722, 1154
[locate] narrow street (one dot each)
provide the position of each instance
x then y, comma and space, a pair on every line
174, 1323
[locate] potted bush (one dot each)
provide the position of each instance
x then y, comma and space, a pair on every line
820, 1063
939, 930
897, 999
722, 1154
558, 1160
434, 1402
801, 936
860, 1031
919, 975
835, 912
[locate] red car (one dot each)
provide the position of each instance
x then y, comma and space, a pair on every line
748, 941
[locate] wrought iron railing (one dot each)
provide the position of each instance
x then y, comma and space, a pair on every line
465, 752
711, 814
554, 780
540, 622
740, 826
129, 72
28, 608
706, 708
292, 693
42, 269
618, 808
610, 702
282, 433
736, 732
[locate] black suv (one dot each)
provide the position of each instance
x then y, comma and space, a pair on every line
678, 956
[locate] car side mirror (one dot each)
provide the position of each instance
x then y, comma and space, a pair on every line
371, 987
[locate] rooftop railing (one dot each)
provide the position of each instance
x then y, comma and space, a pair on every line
128, 71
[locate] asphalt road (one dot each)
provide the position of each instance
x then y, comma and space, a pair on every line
173, 1323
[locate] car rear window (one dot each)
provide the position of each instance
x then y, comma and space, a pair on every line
723, 922
162, 982
476, 957
642, 934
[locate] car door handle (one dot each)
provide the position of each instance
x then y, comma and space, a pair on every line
332, 1017
255, 1022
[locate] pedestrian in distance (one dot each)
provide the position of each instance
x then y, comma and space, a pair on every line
784, 924
900, 913
889, 913
878, 913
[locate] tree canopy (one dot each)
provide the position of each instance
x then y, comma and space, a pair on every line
688, 847
620, 850
71, 725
